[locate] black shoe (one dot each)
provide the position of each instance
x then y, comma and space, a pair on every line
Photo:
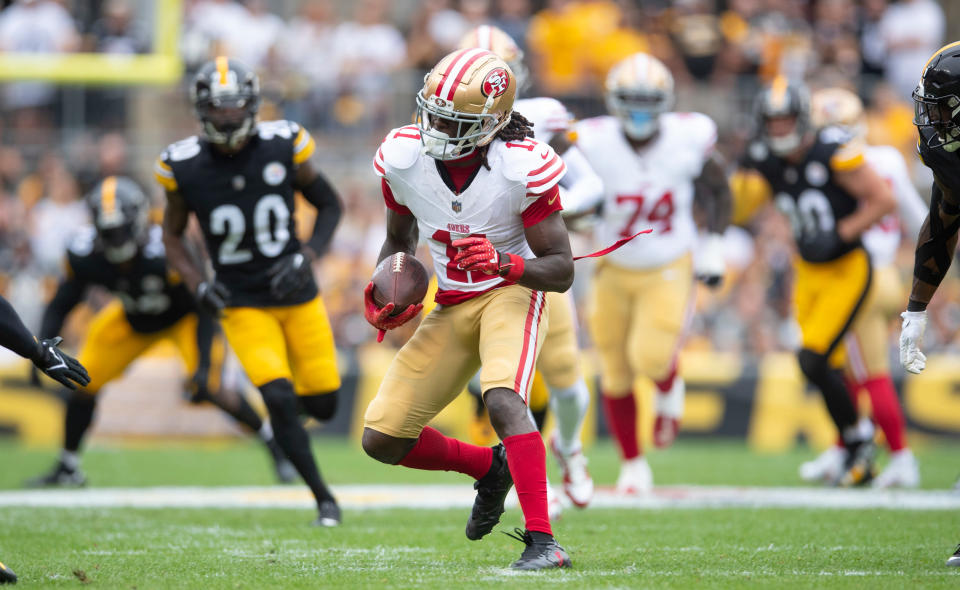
858, 469
329, 514
284, 469
542, 552
6, 575
59, 476
492, 490
954, 560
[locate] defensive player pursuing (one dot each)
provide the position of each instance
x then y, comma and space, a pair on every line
47, 358
831, 195
654, 164
238, 178
868, 367
124, 253
937, 100
559, 360
470, 179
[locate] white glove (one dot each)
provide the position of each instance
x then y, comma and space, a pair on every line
911, 339
708, 264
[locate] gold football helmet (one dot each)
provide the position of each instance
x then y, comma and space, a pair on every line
496, 40
841, 108
638, 90
466, 99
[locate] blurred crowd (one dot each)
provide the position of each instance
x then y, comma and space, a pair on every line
348, 71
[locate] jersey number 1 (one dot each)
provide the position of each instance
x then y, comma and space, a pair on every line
228, 221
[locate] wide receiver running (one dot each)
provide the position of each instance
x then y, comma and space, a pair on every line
484, 194
238, 178
559, 361
654, 164
868, 367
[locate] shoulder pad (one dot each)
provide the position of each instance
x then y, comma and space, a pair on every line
282, 128
847, 155
181, 150
548, 115
593, 129
399, 150
531, 162
695, 128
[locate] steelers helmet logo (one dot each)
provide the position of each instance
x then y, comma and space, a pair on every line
496, 83
274, 173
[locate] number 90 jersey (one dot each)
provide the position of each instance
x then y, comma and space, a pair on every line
244, 204
806, 193
649, 188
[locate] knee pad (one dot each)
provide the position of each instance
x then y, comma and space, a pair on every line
321, 407
279, 398
813, 365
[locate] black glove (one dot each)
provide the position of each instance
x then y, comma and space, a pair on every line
60, 366
820, 246
212, 297
290, 274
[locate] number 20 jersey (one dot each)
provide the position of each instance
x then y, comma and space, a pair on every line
498, 203
244, 204
649, 188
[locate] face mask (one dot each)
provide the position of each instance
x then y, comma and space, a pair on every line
120, 254
784, 145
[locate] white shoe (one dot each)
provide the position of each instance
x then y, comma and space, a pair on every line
827, 467
577, 483
902, 471
635, 477
669, 407
554, 504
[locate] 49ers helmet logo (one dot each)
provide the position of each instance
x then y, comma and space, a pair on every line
496, 83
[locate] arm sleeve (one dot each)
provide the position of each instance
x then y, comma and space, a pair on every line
321, 195
303, 145
536, 210
14, 335
582, 188
163, 174
389, 199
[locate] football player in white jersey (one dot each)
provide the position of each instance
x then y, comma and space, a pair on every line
867, 343
559, 361
654, 164
484, 194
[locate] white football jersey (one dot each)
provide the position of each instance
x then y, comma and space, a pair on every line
548, 116
497, 204
648, 189
883, 238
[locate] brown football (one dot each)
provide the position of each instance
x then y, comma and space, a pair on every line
400, 279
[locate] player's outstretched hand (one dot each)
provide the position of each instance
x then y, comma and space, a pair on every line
290, 274
911, 341
381, 318
59, 365
212, 297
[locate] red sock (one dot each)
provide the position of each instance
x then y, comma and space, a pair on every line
664, 385
886, 410
527, 460
622, 419
435, 452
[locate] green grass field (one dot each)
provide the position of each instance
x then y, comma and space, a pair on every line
404, 548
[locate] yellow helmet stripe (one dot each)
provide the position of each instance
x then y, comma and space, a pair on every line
223, 66
778, 91
108, 195
939, 51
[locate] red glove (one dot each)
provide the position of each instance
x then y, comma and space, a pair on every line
478, 254
380, 318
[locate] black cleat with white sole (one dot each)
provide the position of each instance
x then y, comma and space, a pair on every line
542, 551
954, 560
60, 476
329, 515
6, 575
492, 490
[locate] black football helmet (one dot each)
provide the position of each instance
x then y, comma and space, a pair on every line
783, 99
226, 96
937, 98
121, 214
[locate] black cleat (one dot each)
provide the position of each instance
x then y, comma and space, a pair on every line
329, 514
59, 476
284, 469
542, 552
954, 560
6, 575
492, 490
858, 469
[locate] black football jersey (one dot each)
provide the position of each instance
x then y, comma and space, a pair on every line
244, 204
945, 165
153, 297
806, 193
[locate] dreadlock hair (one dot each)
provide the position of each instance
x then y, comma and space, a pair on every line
518, 129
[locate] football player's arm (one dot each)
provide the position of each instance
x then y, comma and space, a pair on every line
935, 246
552, 269
14, 335
44, 353
582, 187
749, 193
875, 199
69, 293
712, 194
175, 217
402, 235
319, 193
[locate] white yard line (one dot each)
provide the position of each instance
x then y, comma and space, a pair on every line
368, 497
